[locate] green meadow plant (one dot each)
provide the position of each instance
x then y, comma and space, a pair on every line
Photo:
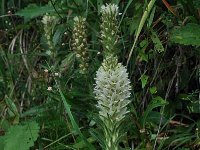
112, 90
112, 87
53, 76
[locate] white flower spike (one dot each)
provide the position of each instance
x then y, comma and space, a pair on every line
112, 89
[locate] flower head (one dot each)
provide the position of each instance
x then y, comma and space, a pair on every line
112, 89
49, 22
109, 28
80, 43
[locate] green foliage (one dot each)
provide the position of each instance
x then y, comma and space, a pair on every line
21, 136
187, 35
196, 4
45, 85
158, 45
156, 102
32, 11
144, 79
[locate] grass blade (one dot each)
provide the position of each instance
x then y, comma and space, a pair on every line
142, 21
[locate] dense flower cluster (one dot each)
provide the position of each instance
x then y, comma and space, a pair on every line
109, 28
49, 24
112, 89
79, 43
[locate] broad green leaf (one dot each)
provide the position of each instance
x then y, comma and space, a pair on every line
187, 35
21, 137
32, 11
58, 34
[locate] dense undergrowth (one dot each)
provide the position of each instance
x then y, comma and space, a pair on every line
50, 52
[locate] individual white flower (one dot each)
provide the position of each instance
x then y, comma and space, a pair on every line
49, 88
9, 12
103, 8
46, 19
76, 19
56, 74
46, 70
112, 89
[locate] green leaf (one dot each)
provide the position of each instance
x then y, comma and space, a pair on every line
1, 143
67, 63
187, 35
156, 102
193, 107
13, 112
153, 90
151, 17
99, 4
32, 11
58, 34
144, 78
21, 137
81, 144
196, 4
157, 43
73, 122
